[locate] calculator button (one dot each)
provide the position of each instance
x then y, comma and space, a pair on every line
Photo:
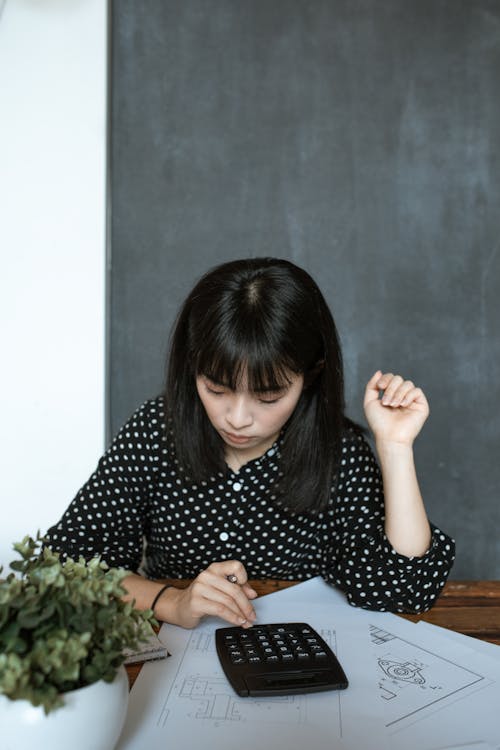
237, 659
320, 655
272, 658
302, 655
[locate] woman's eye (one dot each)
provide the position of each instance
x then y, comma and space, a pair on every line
213, 391
272, 400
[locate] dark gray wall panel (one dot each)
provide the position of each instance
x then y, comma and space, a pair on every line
360, 139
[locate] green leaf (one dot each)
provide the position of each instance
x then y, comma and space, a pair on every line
62, 624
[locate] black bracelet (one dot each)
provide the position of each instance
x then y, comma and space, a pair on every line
160, 592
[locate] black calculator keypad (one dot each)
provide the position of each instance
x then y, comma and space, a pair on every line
278, 659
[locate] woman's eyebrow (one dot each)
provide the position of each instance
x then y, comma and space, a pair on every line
215, 381
259, 389
273, 389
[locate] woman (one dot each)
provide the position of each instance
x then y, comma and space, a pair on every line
246, 467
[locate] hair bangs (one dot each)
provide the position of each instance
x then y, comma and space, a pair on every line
248, 360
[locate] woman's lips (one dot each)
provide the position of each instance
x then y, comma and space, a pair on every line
236, 438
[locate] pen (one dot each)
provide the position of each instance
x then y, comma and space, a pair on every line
231, 578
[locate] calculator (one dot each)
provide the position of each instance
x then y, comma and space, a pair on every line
279, 659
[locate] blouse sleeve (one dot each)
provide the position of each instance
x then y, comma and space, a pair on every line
108, 515
367, 568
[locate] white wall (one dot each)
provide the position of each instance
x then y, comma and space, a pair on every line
52, 249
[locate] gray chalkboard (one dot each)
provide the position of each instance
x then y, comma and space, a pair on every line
360, 138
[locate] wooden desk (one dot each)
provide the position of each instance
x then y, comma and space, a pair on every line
469, 607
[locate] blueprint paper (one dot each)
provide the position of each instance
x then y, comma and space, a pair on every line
313, 591
430, 689
436, 692
483, 647
348, 637
186, 702
438, 689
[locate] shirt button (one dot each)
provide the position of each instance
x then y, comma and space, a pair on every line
223, 536
236, 486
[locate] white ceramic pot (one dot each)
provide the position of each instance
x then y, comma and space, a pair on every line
91, 719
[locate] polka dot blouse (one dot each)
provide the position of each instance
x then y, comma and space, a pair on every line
138, 509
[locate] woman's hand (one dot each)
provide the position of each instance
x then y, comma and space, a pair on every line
211, 594
400, 414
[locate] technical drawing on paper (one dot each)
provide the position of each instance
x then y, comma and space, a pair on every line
413, 679
208, 697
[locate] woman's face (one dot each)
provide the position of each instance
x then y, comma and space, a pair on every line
248, 422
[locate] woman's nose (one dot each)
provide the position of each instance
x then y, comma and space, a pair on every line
239, 414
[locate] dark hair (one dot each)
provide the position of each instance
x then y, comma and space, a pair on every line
264, 317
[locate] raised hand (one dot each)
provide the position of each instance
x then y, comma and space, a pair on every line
398, 416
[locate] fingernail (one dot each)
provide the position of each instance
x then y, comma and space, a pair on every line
242, 622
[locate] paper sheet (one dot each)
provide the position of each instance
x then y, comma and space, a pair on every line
455, 697
186, 701
483, 647
437, 692
418, 687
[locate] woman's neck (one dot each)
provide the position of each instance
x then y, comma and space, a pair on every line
236, 458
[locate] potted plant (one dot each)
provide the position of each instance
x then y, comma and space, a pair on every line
63, 631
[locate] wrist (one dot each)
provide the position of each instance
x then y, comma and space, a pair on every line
158, 596
394, 448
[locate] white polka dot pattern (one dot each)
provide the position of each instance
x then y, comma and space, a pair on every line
139, 502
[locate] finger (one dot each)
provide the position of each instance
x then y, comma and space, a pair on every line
415, 396
390, 388
238, 572
384, 380
207, 605
372, 389
373, 382
234, 593
208, 600
233, 568
401, 392
218, 609
249, 591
